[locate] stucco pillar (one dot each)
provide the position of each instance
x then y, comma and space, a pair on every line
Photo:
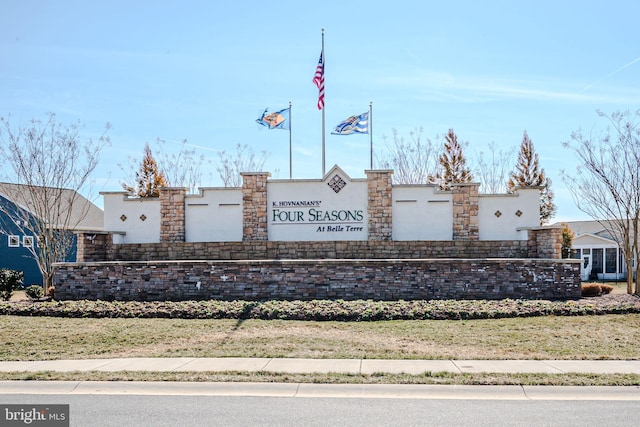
254, 206
379, 204
465, 211
172, 221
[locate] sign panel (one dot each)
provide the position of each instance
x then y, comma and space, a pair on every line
317, 210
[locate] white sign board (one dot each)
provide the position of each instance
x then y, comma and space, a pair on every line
331, 209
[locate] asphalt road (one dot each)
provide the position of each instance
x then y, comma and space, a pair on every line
130, 411
488, 406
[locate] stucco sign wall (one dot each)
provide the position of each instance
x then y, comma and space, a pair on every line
334, 208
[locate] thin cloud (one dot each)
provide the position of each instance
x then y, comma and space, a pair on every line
589, 86
188, 144
445, 87
303, 151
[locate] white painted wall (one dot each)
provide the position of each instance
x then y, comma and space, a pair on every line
214, 215
117, 205
506, 225
422, 212
312, 210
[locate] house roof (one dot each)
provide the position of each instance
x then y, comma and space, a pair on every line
84, 215
593, 239
601, 229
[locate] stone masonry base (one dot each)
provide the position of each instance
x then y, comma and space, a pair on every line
348, 279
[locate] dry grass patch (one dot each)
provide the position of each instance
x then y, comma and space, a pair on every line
583, 337
425, 378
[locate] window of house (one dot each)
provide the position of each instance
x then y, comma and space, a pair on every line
575, 253
610, 260
597, 260
14, 241
27, 241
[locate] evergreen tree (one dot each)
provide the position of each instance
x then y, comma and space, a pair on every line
453, 164
567, 240
149, 178
529, 174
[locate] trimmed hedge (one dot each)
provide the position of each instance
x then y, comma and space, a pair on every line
318, 310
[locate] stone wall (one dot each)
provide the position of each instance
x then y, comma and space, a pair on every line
378, 268
414, 279
374, 269
261, 250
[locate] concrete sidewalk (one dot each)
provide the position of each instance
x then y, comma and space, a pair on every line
343, 366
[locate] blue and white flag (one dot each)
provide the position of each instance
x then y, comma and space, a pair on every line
275, 120
354, 124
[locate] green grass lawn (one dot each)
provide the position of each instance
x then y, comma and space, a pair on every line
580, 337
550, 337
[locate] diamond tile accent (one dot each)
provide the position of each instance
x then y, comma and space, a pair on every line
518, 213
143, 217
336, 183
123, 217
498, 214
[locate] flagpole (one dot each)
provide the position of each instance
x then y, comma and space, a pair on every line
371, 134
290, 156
323, 107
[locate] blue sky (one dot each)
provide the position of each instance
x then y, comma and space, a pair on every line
204, 71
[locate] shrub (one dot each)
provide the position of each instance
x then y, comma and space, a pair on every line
320, 310
606, 289
10, 281
595, 289
34, 291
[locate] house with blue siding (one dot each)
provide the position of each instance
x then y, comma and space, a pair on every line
18, 243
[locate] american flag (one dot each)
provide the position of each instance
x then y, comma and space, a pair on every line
318, 80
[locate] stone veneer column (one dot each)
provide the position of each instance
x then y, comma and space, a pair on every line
379, 207
92, 247
172, 221
547, 241
465, 211
254, 205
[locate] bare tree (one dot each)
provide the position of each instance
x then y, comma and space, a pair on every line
181, 169
606, 184
412, 161
229, 166
453, 164
50, 164
494, 172
528, 173
149, 179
